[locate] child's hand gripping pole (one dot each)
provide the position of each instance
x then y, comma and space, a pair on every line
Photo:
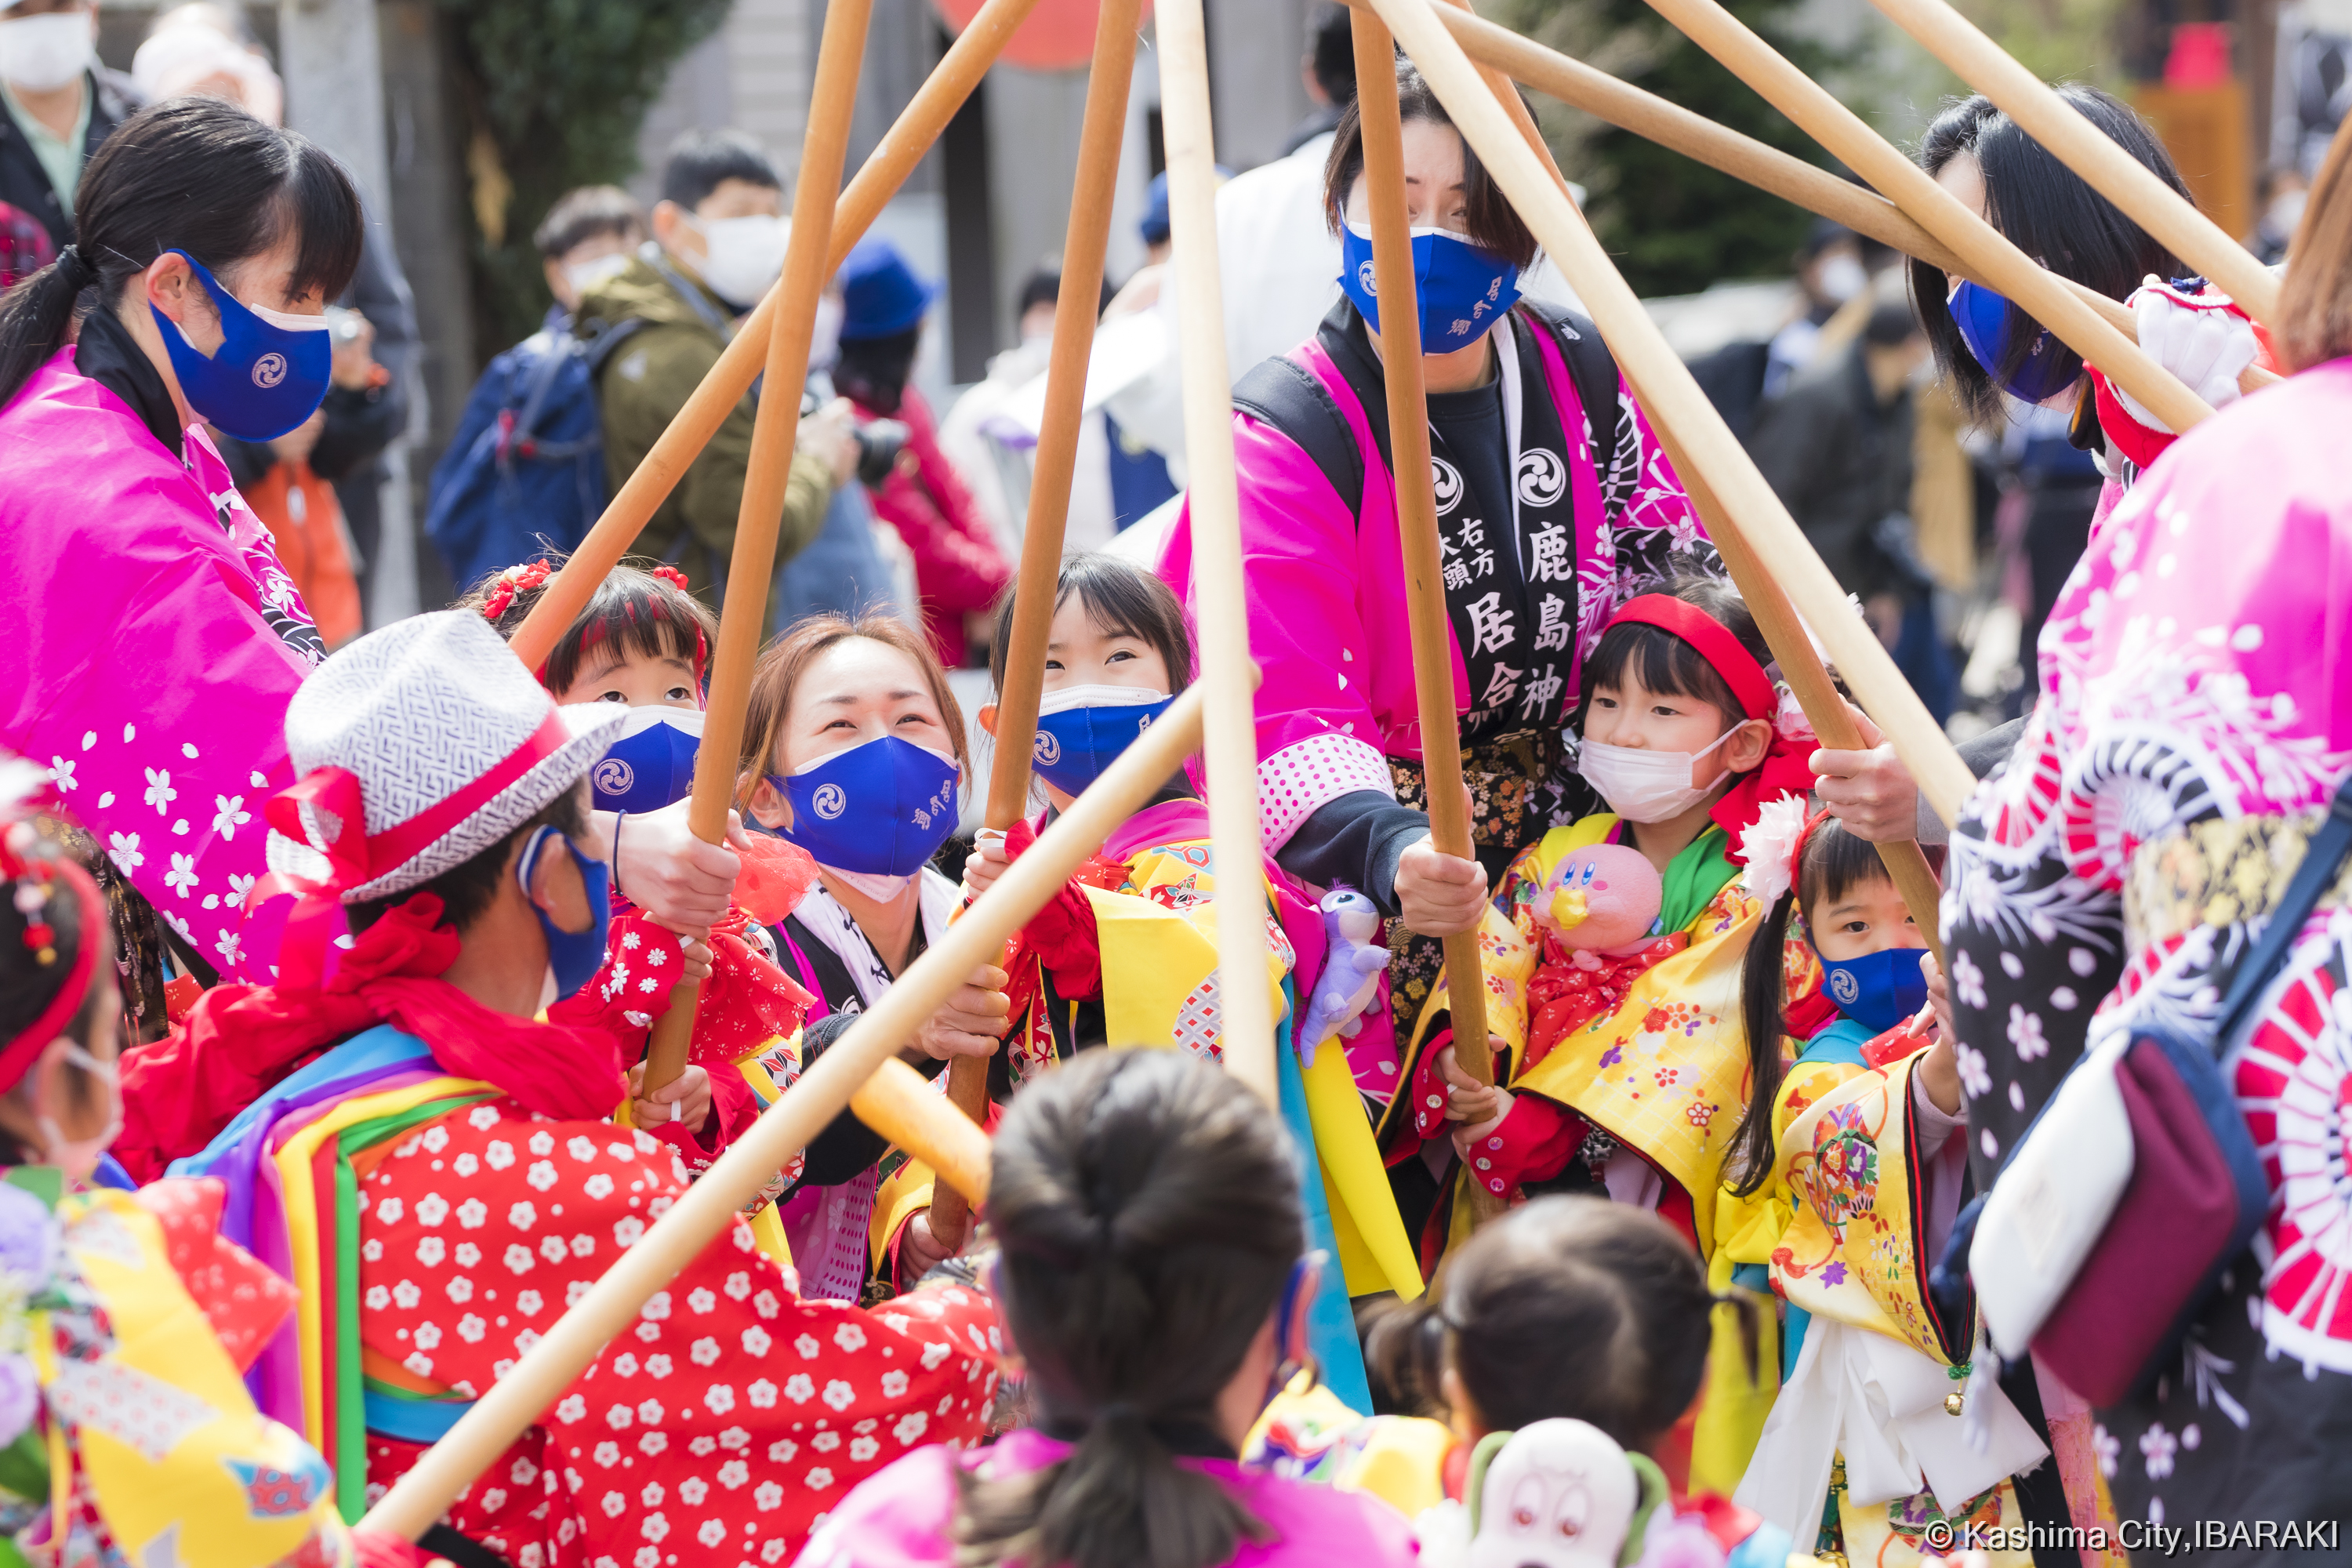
1049, 494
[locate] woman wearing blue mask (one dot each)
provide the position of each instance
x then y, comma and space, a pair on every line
853, 749
162, 638
1554, 504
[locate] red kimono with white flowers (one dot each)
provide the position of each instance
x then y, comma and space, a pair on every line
720, 1430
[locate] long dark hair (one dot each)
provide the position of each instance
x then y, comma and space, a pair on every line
635, 611
1572, 1306
1834, 861
1149, 1211
2047, 211
1495, 224
195, 175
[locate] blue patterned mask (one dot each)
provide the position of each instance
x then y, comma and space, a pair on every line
1460, 288
269, 373
1878, 990
882, 808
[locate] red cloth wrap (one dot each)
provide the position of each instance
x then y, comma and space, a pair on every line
1563, 995
239, 1039
1061, 937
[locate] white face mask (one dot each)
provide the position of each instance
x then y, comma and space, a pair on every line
41, 54
585, 275
78, 1157
878, 885
744, 254
1642, 786
1841, 278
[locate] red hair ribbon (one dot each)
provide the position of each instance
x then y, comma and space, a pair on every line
1712, 639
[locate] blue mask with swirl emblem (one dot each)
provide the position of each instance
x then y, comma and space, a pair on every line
880, 808
652, 763
1878, 990
269, 373
1081, 731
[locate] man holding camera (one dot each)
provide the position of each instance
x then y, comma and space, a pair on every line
717, 245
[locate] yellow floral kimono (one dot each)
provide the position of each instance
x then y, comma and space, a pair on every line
152, 1449
1876, 1403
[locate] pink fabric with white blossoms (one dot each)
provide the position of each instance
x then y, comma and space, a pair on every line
2197, 667
157, 643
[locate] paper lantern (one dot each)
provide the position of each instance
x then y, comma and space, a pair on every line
1059, 35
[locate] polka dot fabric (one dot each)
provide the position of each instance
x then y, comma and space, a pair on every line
719, 1429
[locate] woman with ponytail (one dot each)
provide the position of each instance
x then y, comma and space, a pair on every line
1155, 1285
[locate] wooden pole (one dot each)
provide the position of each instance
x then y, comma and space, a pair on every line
1809, 679
751, 571
1694, 136
893, 159
1049, 490
1220, 598
1832, 721
1416, 503
710, 1205
2072, 140
1988, 255
1745, 503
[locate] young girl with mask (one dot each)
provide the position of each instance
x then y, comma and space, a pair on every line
1845, 1174
853, 749
1102, 960
111, 1291
1153, 1281
643, 643
1683, 734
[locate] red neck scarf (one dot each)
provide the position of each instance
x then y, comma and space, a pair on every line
180, 1092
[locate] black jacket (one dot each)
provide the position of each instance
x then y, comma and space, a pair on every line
1839, 460
24, 184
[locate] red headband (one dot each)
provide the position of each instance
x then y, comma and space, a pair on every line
18, 1055
1750, 685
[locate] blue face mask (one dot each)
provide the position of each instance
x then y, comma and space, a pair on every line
573, 957
1985, 319
652, 765
268, 373
881, 809
1081, 731
1878, 990
1461, 289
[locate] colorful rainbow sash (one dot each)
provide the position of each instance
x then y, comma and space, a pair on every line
293, 1162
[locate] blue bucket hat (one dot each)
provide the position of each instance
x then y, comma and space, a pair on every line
881, 295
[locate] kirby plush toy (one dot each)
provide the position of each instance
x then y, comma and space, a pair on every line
1556, 1494
1352, 964
1601, 900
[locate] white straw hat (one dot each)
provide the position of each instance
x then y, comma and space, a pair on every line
441, 740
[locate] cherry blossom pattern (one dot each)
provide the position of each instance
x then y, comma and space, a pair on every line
720, 1428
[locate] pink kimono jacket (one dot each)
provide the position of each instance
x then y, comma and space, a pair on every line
2197, 670
159, 641
1326, 587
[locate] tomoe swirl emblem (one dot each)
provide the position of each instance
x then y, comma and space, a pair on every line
829, 802
269, 370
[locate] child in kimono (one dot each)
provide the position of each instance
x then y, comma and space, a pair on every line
643, 643
1683, 735
1127, 951
1843, 1178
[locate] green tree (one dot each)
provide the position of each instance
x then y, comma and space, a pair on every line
1674, 226
555, 91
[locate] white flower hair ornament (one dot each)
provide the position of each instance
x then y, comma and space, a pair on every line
1770, 846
